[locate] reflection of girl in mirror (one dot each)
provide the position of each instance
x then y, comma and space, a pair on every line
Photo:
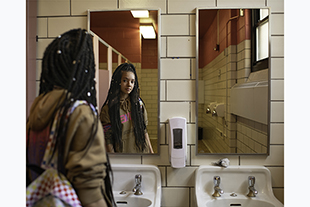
123, 115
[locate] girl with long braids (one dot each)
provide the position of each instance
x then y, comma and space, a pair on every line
68, 75
123, 115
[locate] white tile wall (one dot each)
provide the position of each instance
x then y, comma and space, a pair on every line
277, 65
175, 68
191, 133
277, 22
277, 181
193, 112
277, 90
53, 8
41, 45
173, 109
140, 4
56, 26
162, 159
178, 28
192, 20
78, 6
42, 27
163, 47
193, 68
276, 133
184, 6
276, 158
181, 90
162, 90
279, 193
180, 47
175, 197
277, 46
277, 112
121, 159
207, 160
181, 176
175, 25
163, 130
249, 3
163, 175
276, 5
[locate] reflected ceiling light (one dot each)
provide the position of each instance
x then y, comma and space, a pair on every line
147, 31
140, 13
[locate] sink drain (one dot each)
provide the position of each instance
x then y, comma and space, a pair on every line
121, 202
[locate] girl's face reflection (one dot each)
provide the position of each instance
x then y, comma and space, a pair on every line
127, 83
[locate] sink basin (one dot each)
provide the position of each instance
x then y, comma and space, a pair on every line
234, 183
132, 201
124, 181
238, 202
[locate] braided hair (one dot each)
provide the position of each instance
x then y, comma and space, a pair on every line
113, 101
68, 63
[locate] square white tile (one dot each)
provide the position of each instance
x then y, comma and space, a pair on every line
175, 197
173, 109
175, 24
175, 68
181, 90
181, 47
181, 176
53, 8
59, 25
181, 6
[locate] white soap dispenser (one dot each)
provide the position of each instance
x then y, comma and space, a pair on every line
177, 142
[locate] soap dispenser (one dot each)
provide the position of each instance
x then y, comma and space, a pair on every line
177, 142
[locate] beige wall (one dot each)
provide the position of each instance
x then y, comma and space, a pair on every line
177, 74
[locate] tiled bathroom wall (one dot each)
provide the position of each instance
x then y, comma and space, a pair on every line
177, 81
148, 80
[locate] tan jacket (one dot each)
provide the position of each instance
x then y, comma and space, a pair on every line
128, 135
86, 171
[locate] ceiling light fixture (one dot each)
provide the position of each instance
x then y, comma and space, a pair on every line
147, 31
140, 13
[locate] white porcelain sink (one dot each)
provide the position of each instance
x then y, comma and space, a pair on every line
234, 183
124, 182
132, 201
228, 202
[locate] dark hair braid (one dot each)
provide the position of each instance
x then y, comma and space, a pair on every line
64, 66
113, 101
68, 63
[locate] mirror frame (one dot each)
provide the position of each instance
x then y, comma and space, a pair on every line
269, 80
158, 68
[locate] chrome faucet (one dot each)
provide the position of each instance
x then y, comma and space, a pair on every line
137, 188
252, 191
217, 190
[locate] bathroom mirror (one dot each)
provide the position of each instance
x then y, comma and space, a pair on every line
123, 32
233, 84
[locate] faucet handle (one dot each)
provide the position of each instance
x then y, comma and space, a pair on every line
252, 191
217, 180
251, 180
138, 178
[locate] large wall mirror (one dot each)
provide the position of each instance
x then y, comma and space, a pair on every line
121, 33
233, 84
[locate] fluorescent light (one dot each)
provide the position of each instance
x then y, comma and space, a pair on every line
147, 31
140, 13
